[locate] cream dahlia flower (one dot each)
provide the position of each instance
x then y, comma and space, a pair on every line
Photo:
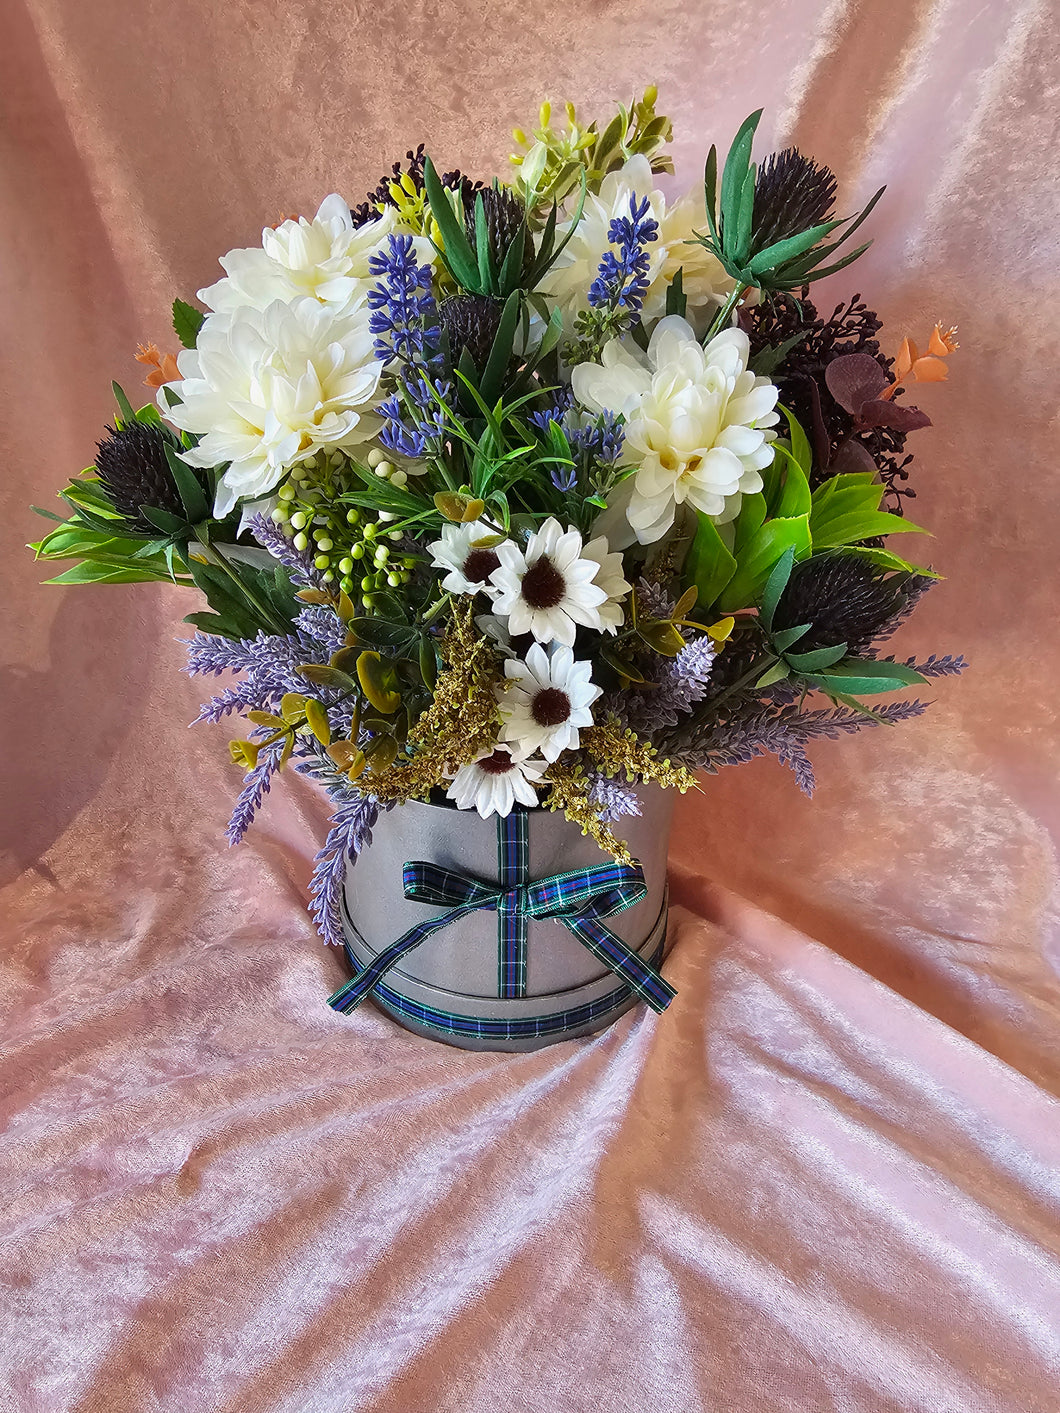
696, 424
547, 700
494, 781
325, 259
705, 283
265, 389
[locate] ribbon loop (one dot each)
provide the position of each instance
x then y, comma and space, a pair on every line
580, 899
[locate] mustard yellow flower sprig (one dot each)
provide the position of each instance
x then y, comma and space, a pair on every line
552, 161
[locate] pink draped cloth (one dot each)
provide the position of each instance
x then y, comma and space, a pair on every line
827, 1178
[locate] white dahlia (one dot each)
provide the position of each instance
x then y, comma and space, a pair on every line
469, 565
265, 389
325, 259
705, 283
696, 424
494, 781
548, 699
547, 589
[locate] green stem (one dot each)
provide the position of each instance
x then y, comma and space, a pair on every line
721, 319
268, 619
762, 665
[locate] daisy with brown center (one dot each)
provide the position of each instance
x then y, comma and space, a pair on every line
494, 781
548, 589
469, 553
547, 701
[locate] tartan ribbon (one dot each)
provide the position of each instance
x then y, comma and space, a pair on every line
580, 899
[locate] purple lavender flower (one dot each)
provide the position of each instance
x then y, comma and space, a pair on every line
762, 730
256, 785
613, 799
680, 682
299, 563
350, 832
405, 317
622, 281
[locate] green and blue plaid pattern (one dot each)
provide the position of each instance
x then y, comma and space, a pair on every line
513, 867
580, 899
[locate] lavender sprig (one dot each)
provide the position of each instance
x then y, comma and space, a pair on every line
622, 281
299, 563
256, 785
350, 832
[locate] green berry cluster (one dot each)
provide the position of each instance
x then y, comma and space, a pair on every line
350, 547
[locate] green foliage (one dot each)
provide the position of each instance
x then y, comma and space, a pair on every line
187, 321
556, 160
478, 269
830, 670
730, 565
786, 264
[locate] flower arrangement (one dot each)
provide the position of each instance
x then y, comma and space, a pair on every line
517, 493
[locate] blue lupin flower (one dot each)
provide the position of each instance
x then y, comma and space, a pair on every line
622, 281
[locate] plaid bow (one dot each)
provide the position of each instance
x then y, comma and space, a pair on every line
579, 899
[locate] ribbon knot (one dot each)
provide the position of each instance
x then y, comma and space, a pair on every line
580, 899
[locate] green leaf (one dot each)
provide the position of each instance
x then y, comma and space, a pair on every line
676, 303
787, 490
90, 572
758, 558
769, 359
512, 264
749, 521
124, 405
191, 494
149, 415
165, 520
886, 560
787, 637
775, 586
710, 191
845, 529
709, 566
866, 676
777, 673
482, 246
745, 216
819, 657
457, 254
187, 321
733, 175
500, 353
799, 442
790, 247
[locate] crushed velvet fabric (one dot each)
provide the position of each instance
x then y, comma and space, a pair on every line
827, 1178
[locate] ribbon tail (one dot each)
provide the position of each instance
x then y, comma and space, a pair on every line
350, 995
650, 985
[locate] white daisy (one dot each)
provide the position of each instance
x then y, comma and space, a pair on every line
609, 577
469, 564
547, 589
548, 699
493, 783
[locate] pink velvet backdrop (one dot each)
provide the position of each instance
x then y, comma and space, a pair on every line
827, 1178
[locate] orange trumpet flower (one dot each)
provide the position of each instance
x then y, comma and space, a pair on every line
929, 367
163, 365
